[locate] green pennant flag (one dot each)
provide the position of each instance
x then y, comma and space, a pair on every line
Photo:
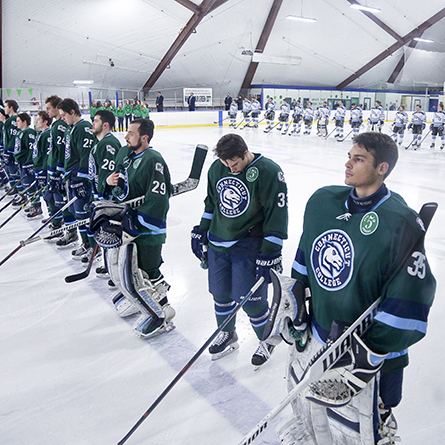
8, 91
19, 92
30, 91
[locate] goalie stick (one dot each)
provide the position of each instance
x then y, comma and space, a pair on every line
330, 353
181, 187
191, 361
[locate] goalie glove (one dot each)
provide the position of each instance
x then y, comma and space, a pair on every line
267, 261
288, 315
112, 224
199, 244
339, 385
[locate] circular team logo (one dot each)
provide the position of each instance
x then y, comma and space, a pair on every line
136, 163
332, 259
233, 197
369, 223
252, 174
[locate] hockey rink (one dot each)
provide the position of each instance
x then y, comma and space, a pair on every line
73, 373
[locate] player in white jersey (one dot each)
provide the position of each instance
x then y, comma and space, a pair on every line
437, 126
418, 122
297, 117
255, 106
399, 124
377, 117
340, 114
356, 119
233, 110
270, 113
323, 114
247, 108
308, 117
284, 116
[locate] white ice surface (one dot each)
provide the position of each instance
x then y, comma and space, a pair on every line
73, 372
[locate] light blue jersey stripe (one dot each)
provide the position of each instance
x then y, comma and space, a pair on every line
274, 239
299, 268
155, 230
407, 324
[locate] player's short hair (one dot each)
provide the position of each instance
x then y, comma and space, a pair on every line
25, 117
45, 117
381, 146
146, 127
230, 146
53, 100
67, 105
106, 116
12, 104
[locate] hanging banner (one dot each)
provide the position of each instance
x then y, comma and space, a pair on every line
203, 96
8, 91
19, 92
30, 90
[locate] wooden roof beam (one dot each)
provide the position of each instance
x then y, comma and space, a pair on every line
189, 5
388, 51
392, 78
264, 37
203, 9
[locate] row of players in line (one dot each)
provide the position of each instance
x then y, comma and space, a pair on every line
307, 115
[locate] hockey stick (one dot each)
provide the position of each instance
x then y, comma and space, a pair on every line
237, 125
21, 207
191, 361
10, 191
341, 140
22, 193
429, 131
330, 133
271, 128
33, 237
333, 350
84, 273
219, 122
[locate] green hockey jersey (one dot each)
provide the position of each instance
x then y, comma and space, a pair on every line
253, 200
23, 147
40, 150
349, 260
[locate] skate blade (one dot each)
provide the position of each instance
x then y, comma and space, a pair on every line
229, 350
164, 328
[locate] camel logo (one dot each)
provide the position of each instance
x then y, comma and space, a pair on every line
332, 259
233, 196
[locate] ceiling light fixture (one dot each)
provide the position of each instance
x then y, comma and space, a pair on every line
365, 8
301, 19
421, 39
83, 82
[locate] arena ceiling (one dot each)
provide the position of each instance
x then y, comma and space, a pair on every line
167, 44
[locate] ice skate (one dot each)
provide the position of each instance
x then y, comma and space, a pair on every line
67, 240
262, 354
224, 344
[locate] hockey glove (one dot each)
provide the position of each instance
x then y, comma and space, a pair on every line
199, 245
423, 126
431, 127
288, 314
267, 261
410, 125
80, 189
339, 385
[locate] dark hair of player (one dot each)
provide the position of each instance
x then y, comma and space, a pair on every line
381, 146
146, 127
45, 117
53, 100
106, 116
12, 104
68, 105
25, 117
230, 146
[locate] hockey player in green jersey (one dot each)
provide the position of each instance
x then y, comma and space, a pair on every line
23, 147
134, 262
39, 159
54, 194
243, 225
103, 154
10, 132
359, 243
79, 141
